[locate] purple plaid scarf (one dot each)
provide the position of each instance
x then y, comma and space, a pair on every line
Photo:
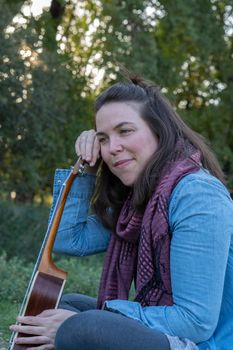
140, 249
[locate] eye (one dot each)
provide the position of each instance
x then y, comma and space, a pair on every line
125, 131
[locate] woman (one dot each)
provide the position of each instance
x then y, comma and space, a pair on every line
165, 218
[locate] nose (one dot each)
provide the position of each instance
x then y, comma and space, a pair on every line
115, 146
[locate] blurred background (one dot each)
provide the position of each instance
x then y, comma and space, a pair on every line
56, 56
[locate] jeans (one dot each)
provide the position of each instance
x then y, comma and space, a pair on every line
93, 329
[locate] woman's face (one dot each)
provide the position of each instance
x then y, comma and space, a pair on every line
126, 141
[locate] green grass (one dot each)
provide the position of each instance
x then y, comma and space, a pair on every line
8, 312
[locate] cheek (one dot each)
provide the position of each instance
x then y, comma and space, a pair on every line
148, 146
152, 141
145, 142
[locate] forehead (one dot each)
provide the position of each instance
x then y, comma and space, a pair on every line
113, 113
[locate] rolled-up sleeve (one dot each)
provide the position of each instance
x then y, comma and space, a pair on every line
79, 232
200, 218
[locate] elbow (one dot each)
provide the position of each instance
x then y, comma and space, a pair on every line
68, 243
195, 327
202, 332
201, 328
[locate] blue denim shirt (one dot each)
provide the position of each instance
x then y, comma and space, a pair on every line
201, 226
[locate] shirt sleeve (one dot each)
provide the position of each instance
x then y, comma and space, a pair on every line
79, 232
200, 217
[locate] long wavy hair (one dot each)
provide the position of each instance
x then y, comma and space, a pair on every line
170, 130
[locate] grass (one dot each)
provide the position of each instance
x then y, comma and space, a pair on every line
8, 312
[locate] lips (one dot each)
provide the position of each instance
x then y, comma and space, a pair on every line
122, 162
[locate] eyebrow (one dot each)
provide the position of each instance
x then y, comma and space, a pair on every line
99, 133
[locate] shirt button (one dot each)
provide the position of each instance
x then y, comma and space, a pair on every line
59, 181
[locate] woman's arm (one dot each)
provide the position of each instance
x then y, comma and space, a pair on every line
200, 214
79, 232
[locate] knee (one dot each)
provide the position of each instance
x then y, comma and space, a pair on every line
65, 301
78, 331
65, 332
77, 302
72, 301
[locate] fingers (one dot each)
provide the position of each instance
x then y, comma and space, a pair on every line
96, 152
41, 329
36, 335
43, 342
48, 313
33, 330
48, 316
87, 146
31, 320
33, 340
42, 347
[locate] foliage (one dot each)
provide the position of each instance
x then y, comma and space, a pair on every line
83, 276
8, 311
15, 274
197, 58
21, 233
50, 65
39, 104
22, 229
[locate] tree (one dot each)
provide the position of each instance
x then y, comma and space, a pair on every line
51, 64
39, 104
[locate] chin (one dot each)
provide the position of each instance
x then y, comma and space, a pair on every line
127, 182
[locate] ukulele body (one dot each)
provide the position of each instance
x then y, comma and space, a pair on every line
45, 294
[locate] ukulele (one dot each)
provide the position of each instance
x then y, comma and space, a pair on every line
47, 281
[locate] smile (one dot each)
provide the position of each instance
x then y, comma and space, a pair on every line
122, 163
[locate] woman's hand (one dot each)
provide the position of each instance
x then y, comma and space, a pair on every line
87, 146
42, 328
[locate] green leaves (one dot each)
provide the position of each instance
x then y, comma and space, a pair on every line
53, 66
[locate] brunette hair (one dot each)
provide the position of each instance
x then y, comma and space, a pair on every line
168, 127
